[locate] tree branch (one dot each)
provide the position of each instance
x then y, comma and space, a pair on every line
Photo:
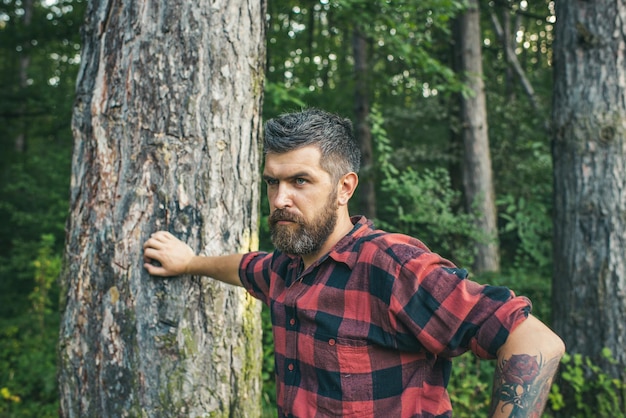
514, 62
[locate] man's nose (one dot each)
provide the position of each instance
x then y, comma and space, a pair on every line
282, 198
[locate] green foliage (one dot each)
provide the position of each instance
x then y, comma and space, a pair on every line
423, 204
519, 133
470, 386
523, 181
406, 34
47, 268
38, 65
310, 44
586, 390
531, 225
280, 98
28, 355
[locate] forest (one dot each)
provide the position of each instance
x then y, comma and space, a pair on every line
424, 98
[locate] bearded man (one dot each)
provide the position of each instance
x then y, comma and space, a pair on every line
365, 322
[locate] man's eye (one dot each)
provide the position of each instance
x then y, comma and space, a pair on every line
271, 182
300, 181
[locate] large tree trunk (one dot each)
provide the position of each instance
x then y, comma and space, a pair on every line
589, 154
477, 173
367, 192
166, 124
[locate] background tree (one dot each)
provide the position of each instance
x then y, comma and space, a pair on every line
35, 112
589, 153
476, 158
166, 121
362, 125
519, 136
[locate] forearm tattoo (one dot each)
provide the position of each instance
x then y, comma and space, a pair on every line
521, 385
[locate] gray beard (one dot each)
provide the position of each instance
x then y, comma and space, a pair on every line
303, 237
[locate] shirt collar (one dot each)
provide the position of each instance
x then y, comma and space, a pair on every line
343, 251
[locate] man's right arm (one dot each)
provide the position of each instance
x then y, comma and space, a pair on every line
173, 257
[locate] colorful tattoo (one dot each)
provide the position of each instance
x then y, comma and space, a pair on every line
522, 382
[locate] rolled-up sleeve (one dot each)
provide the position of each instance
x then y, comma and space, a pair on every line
254, 272
449, 314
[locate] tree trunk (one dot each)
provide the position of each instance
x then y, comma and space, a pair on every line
166, 125
477, 173
589, 154
27, 19
367, 192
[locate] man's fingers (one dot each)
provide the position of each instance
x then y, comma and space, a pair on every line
165, 255
160, 240
162, 236
150, 253
154, 270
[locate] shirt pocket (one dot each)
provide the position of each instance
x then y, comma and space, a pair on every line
343, 368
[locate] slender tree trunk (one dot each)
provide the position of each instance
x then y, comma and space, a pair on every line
367, 192
166, 123
27, 19
589, 154
477, 173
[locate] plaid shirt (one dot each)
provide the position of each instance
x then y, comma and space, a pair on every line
369, 329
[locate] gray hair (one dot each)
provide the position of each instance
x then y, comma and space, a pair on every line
330, 132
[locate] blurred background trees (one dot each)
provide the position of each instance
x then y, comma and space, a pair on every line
394, 68
39, 56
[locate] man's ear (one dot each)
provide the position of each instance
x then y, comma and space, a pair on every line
346, 187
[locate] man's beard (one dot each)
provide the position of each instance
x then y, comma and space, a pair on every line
302, 237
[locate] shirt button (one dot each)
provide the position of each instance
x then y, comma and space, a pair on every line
290, 367
331, 341
292, 322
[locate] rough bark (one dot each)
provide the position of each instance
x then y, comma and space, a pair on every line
166, 125
367, 191
589, 154
477, 172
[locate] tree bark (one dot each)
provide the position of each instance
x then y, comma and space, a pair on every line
166, 124
477, 173
589, 155
367, 192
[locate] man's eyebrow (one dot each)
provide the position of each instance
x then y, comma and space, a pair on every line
300, 174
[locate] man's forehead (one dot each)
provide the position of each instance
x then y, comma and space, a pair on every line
304, 159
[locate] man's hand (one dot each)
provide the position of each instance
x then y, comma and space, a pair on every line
173, 255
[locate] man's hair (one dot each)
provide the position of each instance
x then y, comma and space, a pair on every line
330, 132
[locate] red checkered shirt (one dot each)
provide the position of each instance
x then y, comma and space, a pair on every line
369, 329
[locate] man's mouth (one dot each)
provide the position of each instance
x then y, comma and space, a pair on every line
283, 218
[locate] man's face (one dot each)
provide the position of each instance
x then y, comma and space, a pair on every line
303, 201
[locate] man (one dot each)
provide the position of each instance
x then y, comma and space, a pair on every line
365, 322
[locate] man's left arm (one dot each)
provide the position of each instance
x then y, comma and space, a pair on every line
525, 367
